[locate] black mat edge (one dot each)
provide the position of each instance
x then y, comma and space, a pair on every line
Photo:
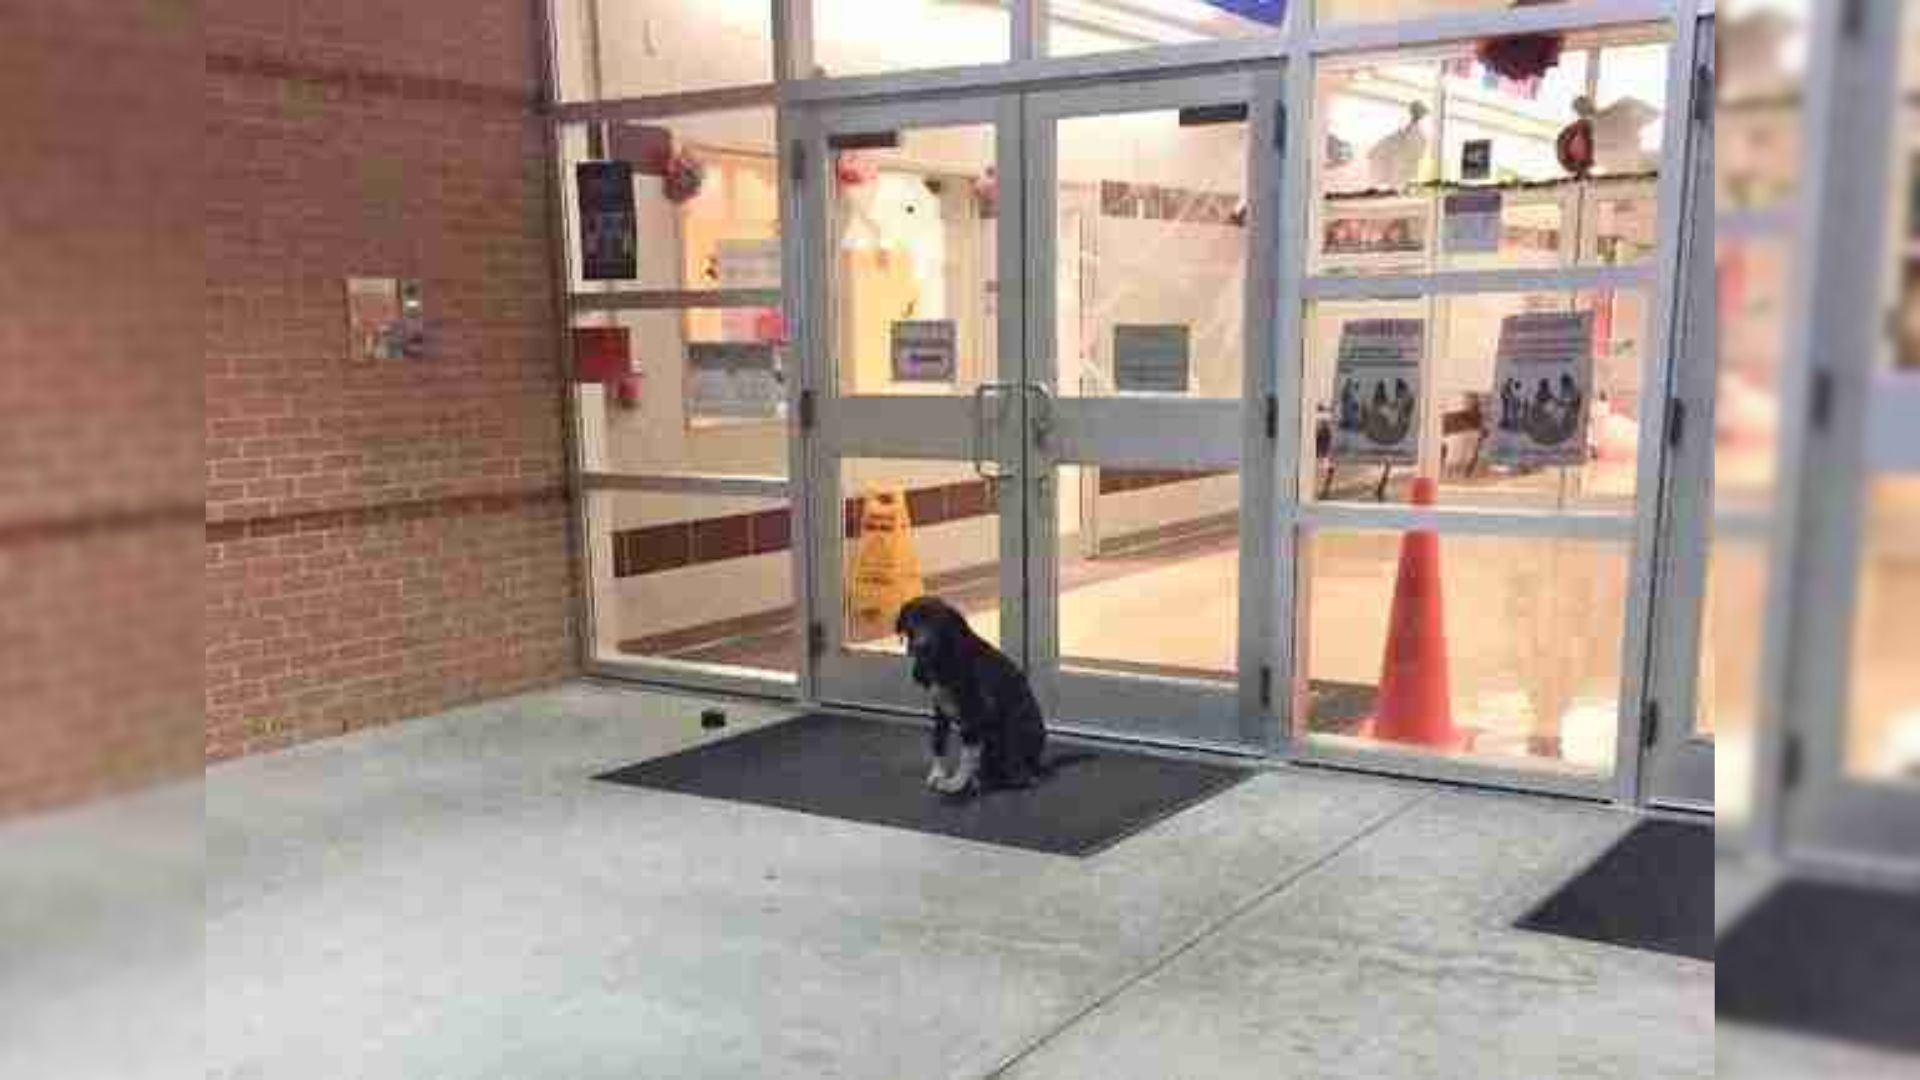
1532, 921
1733, 1006
1237, 774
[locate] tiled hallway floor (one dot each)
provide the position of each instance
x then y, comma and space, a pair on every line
453, 899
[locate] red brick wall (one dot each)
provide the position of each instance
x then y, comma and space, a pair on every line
100, 470
383, 538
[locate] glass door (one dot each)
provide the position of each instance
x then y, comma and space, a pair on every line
1850, 762
1149, 321
912, 405
1712, 570
1029, 367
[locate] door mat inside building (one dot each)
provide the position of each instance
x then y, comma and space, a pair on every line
1653, 890
1828, 960
875, 772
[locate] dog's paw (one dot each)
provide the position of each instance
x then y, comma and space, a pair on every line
960, 789
954, 783
936, 776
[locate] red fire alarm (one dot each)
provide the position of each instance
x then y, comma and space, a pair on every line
626, 389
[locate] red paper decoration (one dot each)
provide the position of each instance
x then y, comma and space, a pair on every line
1520, 57
1574, 147
686, 175
854, 170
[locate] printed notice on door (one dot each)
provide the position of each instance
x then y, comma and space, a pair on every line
1543, 389
1376, 392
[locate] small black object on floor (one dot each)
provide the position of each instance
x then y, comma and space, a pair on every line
1653, 890
1837, 961
875, 772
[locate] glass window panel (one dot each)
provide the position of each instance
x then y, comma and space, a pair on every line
1454, 405
647, 47
1883, 732
698, 390
1532, 639
915, 277
695, 578
1079, 27
1762, 47
1152, 256
706, 200
1150, 547
1430, 160
950, 546
864, 37
1334, 11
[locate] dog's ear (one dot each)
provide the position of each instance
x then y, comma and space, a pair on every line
911, 612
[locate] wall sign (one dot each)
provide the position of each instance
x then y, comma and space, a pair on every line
1376, 391
386, 318
734, 380
609, 244
1542, 390
924, 350
1357, 231
1476, 160
1152, 359
1473, 222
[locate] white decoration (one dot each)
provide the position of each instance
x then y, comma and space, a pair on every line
1394, 162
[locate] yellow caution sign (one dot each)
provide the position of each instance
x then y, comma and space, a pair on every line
886, 570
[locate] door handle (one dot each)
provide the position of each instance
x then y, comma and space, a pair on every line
978, 451
1043, 415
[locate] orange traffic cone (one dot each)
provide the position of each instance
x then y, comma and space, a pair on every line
1414, 705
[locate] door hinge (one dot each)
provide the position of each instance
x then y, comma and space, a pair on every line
1853, 19
1822, 400
1650, 724
1266, 687
1280, 129
1273, 417
797, 163
816, 639
1792, 761
1676, 422
1205, 115
1703, 85
806, 410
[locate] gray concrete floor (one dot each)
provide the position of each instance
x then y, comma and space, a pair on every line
452, 899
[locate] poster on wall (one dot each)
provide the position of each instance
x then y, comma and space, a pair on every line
924, 350
1376, 392
747, 264
1543, 390
609, 243
1374, 233
1152, 358
734, 380
1473, 220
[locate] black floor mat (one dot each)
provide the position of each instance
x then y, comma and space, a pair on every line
875, 772
1652, 890
1836, 961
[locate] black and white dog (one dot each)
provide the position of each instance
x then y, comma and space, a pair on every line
977, 689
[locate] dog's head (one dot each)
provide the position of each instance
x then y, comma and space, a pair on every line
934, 633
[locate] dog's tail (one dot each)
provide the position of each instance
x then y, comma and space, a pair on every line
1060, 761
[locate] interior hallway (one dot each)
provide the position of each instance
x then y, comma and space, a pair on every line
454, 898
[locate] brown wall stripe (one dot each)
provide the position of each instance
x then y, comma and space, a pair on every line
371, 83
259, 528
78, 527
653, 549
